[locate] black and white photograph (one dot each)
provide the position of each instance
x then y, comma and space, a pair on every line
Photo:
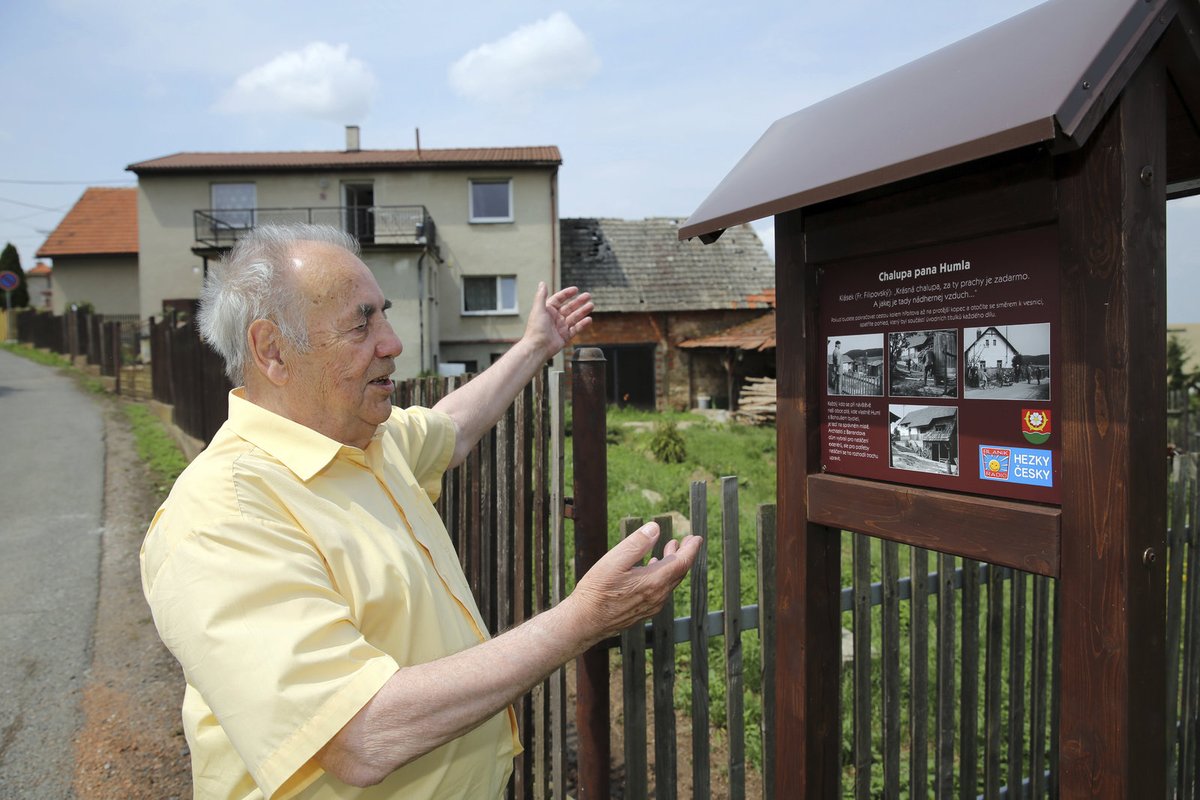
1007, 362
923, 438
923, 363
854, 364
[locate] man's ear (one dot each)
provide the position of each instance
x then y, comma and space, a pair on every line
266, 351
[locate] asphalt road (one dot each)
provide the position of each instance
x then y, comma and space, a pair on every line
51, 512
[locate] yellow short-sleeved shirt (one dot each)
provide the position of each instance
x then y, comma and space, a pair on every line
291, 575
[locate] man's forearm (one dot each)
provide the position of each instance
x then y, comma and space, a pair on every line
422, 707
476, 407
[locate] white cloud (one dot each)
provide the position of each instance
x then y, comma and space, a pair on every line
549, 54
320, 80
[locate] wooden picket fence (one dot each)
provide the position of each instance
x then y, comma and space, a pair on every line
504, 510
948, 680
662, 635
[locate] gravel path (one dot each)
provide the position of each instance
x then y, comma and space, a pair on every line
51, 479
89, 698
130, 745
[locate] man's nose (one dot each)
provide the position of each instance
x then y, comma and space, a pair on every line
389, 345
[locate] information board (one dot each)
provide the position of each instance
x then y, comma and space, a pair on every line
941, 365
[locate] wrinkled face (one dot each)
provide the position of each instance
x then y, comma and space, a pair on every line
341, 386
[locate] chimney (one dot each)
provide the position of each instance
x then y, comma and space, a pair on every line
352, 139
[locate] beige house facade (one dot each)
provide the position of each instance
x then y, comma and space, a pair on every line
458, 239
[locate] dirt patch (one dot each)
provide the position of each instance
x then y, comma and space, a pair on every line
131, 744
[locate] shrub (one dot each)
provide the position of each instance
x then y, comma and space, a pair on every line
667, 443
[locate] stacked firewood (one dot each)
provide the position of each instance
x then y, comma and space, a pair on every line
756, 402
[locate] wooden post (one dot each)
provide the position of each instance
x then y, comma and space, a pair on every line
807, 572
1111, 591
115, 337
590, 458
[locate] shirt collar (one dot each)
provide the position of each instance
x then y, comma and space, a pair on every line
299, 448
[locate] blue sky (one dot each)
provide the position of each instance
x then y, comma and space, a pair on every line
650, 103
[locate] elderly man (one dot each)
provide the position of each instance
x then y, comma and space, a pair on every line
301, 576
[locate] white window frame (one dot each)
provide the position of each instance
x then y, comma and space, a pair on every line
471, 200
493, 312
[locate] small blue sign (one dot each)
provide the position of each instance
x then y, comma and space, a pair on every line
9, 280
1016, 465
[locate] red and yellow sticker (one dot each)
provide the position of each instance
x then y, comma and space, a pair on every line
1035, 425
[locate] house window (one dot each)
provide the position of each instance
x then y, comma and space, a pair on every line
490, 294
358, 215
233, 204
491, 201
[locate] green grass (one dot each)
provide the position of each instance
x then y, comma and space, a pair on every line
155, 447
39, 356
643, 486
46, 358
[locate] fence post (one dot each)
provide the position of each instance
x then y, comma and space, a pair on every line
115, 335
590, 460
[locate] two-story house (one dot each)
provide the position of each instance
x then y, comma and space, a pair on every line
457, 238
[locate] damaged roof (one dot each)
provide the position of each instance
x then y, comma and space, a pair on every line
757, 334
641, 265
1047, 75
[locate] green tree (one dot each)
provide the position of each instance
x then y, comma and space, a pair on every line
1179, 377
11, 262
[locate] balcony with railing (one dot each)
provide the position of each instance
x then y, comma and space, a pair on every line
403, 226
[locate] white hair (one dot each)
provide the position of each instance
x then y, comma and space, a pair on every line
254, 281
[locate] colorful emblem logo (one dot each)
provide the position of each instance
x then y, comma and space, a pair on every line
993, 462
1035, 425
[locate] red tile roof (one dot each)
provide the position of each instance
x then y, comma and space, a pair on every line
39, 269
757, 334
357, 159
102, 222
